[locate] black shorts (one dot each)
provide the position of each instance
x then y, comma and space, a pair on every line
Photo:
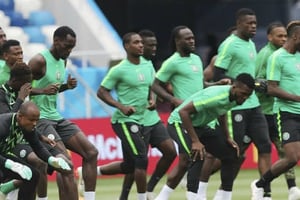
57, 130
132, 140
289, 127
249, 125
22, 150
155, 134
213, 140
272, 127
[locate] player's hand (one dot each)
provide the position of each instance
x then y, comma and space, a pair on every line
198, 150
127, 110
58, 163
176, 102
261, 85
25, 90
24, 171
232, 143
224, 81
71, 82
51, 89
47, 140
152, 105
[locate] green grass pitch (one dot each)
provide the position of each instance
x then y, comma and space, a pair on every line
109, 188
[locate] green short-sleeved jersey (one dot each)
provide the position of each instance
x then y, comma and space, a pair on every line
184, 73
285, 68
4, 74
132, 83
266, 101
55, 74
151, 117
209, 103
238, 56
2, 63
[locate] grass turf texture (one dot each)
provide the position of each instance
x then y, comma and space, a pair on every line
109, 188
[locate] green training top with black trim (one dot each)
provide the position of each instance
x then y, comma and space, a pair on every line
132, 83
238, 56
285, 68
266, 101
185, 74
151, 117
209, 103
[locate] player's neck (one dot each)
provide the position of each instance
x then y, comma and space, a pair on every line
133, 59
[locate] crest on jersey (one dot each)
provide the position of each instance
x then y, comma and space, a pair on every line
58, 75
141, 77
286, 136
23, 153
194, 68
134, 128
238, 118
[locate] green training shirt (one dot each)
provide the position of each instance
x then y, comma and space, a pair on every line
151, 117
4, 74
2, 63
132, 83
55, 74
209, 103
184, 73
266, 101
285, 68
238, 56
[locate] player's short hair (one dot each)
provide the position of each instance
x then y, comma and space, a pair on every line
175, 35
146, 33
243, 12
246, 79
127, 37
63, 31
9, 43
292, 27
19, 70
274, 25
26, 107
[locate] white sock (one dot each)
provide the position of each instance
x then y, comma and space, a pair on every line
89, 195
201, 193
141, 196
191, 195
42, 198
218, 195
99, 171
13, 194
227, 195
164, 193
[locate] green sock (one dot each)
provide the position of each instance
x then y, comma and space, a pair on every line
7, 187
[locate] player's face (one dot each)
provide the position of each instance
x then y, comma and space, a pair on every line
135, 47
247, 26
2, 37
15, 54
64, 46
150, 45
28, 122
187, 40
241, 92
296, 39
278, 36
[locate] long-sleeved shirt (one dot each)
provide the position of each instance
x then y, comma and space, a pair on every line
11, 133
